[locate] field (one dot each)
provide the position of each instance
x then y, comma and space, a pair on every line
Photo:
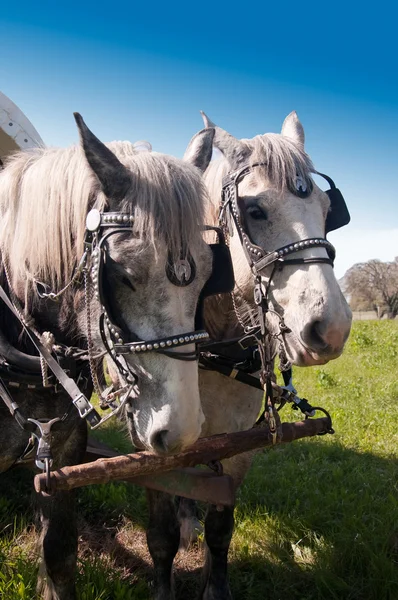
316, 519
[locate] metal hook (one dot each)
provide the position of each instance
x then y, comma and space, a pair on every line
43, 456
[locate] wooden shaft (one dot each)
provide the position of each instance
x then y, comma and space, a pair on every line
205, 450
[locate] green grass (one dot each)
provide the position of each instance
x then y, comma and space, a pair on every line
315, 520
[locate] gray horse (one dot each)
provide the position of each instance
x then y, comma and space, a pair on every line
145, 264
281, 206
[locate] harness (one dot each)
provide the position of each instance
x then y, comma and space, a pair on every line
118, 340
254, 349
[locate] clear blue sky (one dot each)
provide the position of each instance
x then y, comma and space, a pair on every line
145, 72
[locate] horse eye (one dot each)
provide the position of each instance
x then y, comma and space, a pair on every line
302, 187
128, 283
257, 213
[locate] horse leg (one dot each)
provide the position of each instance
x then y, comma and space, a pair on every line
190, 526
59, 546
219, 525
59, 530
163, 538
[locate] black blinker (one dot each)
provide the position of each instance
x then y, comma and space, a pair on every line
221, 280
338, 215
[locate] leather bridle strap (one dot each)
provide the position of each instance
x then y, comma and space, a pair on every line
83, 405
257, 257
124, 340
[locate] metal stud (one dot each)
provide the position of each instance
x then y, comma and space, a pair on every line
156, 346
150, 347
143, 347
169, 343
181, 340
175, 341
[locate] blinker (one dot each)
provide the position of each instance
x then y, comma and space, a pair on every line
338, 215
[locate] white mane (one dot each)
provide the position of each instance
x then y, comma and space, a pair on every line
45, 195
284, 160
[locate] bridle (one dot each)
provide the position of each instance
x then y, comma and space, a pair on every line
118, 340
232, 212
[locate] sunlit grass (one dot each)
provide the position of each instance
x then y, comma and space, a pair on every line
315, 520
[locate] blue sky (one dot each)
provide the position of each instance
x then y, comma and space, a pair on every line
145, 72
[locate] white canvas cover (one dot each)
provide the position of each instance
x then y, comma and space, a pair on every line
16, 131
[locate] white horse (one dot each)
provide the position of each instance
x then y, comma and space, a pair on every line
145, 264
280, 206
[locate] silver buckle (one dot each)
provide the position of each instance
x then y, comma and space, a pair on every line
86, 410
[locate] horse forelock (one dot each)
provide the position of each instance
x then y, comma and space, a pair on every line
281, 161
45, 195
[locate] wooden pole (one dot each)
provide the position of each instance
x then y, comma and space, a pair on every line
205, 450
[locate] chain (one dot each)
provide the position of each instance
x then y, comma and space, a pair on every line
90, 346
237, 311
76, 275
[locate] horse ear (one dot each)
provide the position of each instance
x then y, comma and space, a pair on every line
114, 178
200, 149
235, 151
207, 122
293, 129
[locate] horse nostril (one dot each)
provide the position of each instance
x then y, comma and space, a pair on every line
158, 441
312, 336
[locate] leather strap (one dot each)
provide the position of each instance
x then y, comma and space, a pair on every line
85, 408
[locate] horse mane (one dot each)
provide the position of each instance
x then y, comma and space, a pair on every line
284, 160
46, 193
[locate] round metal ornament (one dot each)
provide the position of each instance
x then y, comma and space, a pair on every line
93, 220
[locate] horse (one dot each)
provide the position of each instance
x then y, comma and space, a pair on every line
272, 208
136, 219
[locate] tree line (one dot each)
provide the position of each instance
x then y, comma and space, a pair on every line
373, 285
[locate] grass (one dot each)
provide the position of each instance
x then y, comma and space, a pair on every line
315, 520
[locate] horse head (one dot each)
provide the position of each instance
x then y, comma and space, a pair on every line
279, 206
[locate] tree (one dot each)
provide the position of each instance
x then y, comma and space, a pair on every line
373, 286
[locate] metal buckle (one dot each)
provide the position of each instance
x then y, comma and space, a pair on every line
43, 456
249, 340
86, 410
